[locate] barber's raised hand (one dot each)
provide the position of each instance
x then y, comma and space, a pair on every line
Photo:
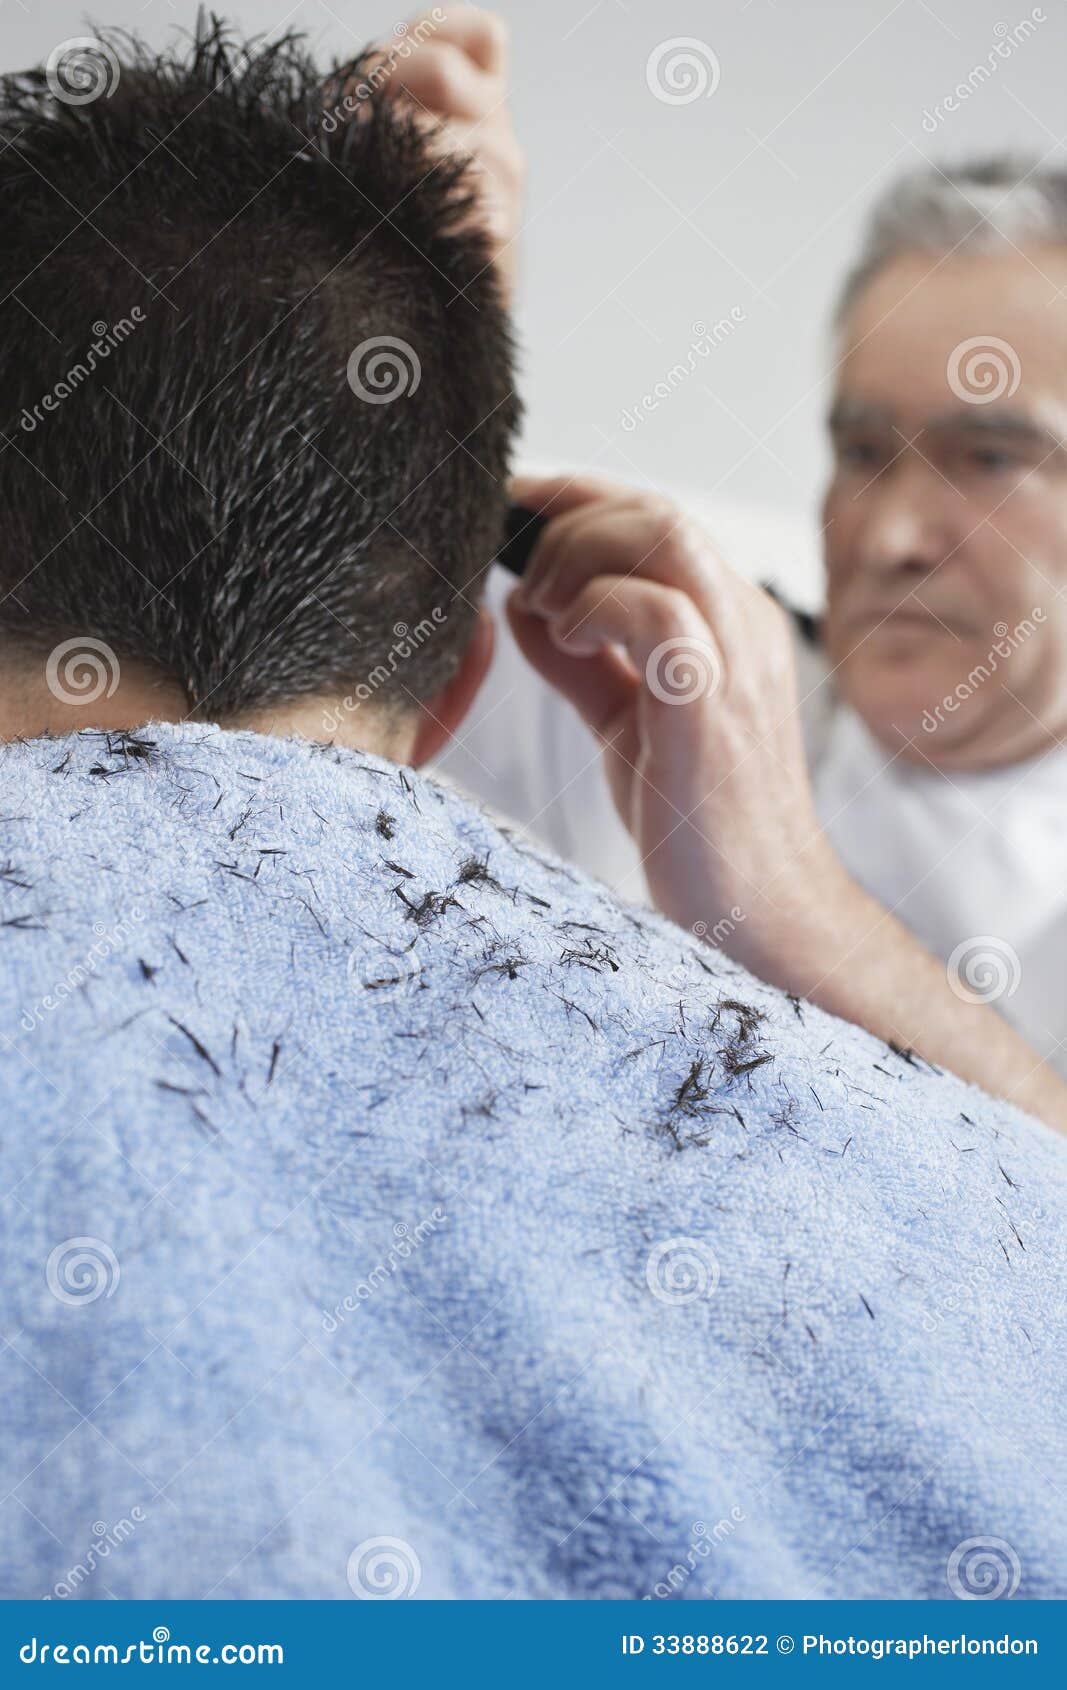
685, 673
451, 63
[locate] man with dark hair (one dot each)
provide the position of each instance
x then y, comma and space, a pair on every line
386, 1210
208, 471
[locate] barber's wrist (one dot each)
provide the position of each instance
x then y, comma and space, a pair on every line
798, 931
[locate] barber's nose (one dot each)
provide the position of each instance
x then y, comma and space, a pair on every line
900, 535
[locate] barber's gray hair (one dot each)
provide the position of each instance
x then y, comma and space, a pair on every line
1007, 200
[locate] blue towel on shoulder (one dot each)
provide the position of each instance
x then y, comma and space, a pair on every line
386, 1212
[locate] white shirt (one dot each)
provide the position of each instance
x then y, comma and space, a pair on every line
974, 864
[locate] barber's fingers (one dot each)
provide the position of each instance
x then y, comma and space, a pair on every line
566, 501
626, 654
654, 633
454, 65
602, 688
607, 529
444, 83
495, 155
644, 543
672, 651
482, 35
571, 496
599, 534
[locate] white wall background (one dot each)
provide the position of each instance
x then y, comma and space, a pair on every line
644, 217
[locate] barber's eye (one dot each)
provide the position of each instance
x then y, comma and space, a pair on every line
991, 462
859, 454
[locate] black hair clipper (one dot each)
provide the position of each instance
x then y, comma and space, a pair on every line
522, 530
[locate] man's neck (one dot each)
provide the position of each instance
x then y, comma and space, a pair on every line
87, 688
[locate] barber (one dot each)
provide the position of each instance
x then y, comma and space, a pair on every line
903, 876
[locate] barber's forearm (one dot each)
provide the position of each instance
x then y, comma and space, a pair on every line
851, 957
686, 673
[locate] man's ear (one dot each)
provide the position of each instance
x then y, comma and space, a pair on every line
440, 716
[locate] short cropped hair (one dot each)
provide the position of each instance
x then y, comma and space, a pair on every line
258, 377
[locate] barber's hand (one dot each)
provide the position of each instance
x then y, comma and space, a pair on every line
686, 674
454, 71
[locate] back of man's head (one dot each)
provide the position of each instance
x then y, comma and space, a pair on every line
258, 378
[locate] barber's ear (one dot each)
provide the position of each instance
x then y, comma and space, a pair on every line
440, 716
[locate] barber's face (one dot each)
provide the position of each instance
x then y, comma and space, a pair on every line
946, 517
